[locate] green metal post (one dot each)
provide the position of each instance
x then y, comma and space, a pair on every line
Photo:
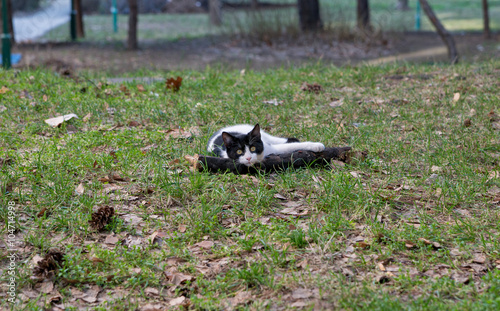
5, 37
72, 21
114, 11
417, 17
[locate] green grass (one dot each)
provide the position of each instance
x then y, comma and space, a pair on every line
460, 15
373, 214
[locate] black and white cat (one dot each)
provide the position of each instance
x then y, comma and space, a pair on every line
248, 145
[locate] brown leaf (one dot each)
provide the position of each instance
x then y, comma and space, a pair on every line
44, 211
362, 244
279, 196
79, 189
174, 84
479, 258
179, 278
140, 88
193, 160
409, 245
111, 239
456, 97
301, 293
205, 244
336, 103
177, 301
47, 287
3, 89
467, 123
133, 123
182, 228
178, 133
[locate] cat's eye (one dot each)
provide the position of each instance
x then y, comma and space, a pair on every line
239, 152
252, 149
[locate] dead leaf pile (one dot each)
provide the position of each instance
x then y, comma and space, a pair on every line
102, 217
312, 88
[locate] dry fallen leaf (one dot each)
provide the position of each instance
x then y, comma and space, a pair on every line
55, 122
79, 189
177, 301
336, 103
301, 293
205, 244
456, 97
3, 90
174, 84
178, 133
274, 102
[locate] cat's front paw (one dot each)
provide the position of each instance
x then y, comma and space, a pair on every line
316, 147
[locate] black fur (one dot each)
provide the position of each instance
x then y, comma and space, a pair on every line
232, 142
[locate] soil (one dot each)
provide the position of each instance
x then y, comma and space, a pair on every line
240, 53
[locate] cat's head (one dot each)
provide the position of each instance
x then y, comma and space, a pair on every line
246, 149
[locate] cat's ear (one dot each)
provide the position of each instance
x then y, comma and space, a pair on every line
255, 132
227, 138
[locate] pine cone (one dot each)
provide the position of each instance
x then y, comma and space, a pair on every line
102, 217
51, 262
312, 88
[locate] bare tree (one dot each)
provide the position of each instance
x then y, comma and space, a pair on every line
443, 33
363, 14
214, 7
132, 25
486, 20
309, 15
402, 5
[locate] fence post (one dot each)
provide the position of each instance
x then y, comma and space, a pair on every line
417, 17
5, 37
72, 21
114, 11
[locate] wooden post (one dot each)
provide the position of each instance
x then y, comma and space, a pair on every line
132, 25
486, 20
215, 12
443, 33
80, 31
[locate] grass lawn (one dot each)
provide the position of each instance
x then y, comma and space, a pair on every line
458, 15
415, 225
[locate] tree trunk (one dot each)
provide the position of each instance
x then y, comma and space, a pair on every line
80, 31
214, 7
309, 16
273, 162
486, 20
443, 33
363, 15
132, 25
402, 5
255, 4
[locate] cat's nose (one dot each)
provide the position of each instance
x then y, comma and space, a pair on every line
249, 158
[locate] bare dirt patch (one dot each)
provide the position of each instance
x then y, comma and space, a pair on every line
236, 53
